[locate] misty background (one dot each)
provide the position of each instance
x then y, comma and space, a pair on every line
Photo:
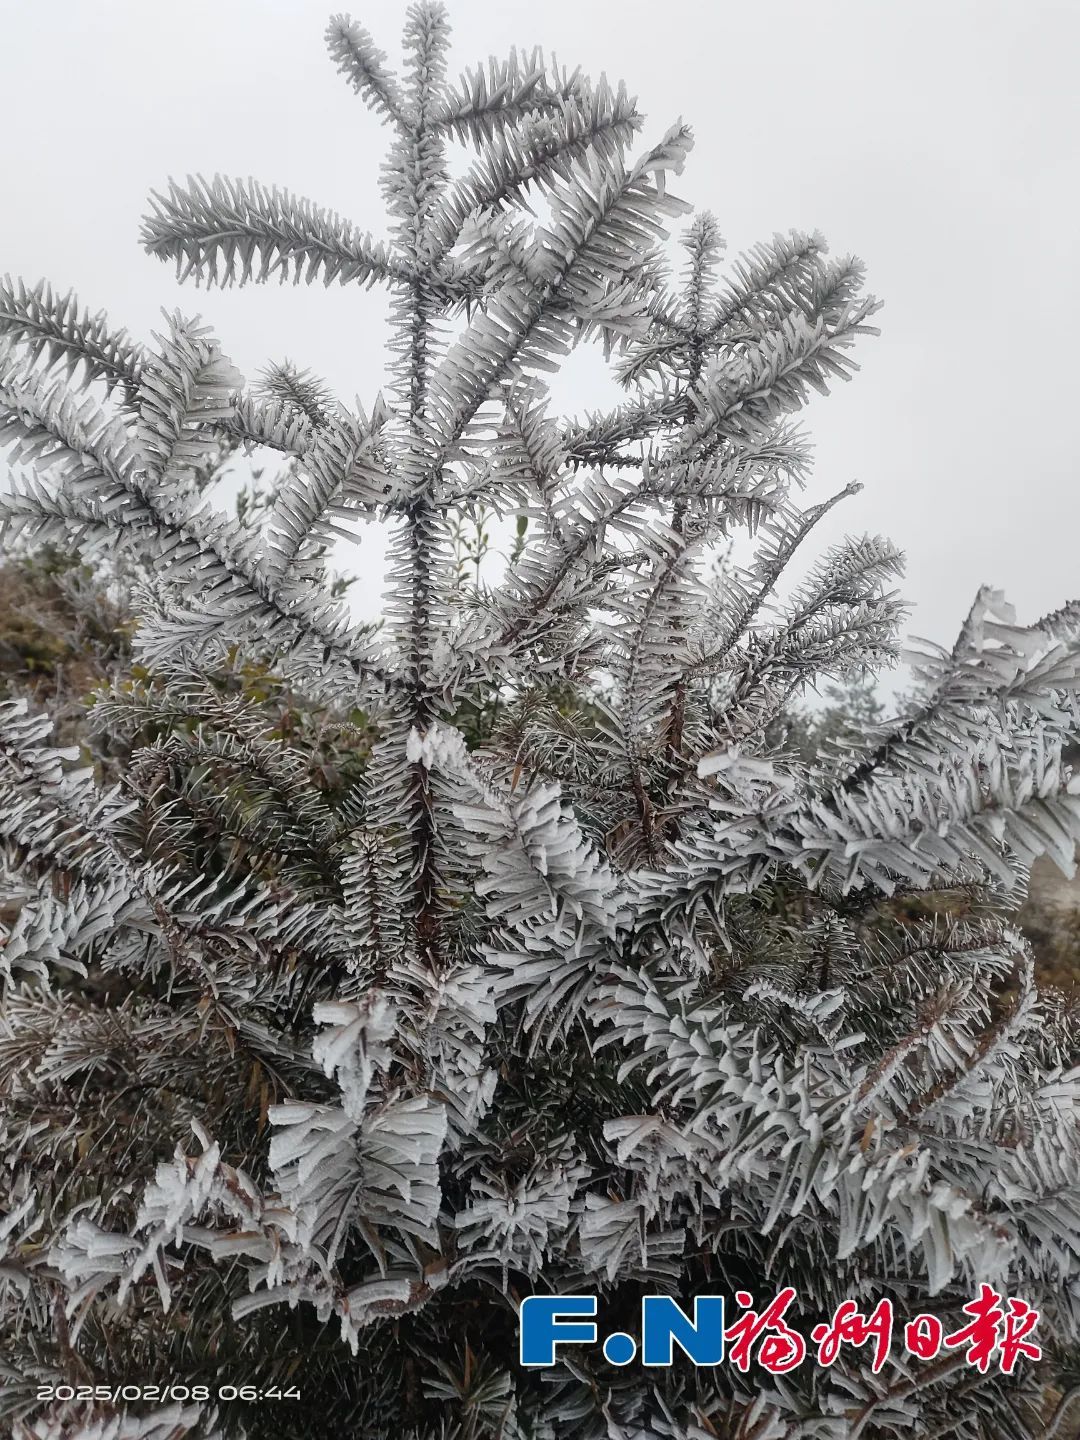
936, 141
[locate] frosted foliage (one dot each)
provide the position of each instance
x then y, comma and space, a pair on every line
577, 977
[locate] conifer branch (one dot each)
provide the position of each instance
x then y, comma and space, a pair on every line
232, 232
516, 942
364, 66
53, 326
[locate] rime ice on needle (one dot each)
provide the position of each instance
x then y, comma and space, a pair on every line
603, 989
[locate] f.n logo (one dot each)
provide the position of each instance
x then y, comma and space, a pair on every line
548, 1321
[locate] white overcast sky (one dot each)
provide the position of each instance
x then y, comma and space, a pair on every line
936, 139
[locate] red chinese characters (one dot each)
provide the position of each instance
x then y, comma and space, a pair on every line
923, 1336
849, 1326
999, 1331
782, 1348
995, 1329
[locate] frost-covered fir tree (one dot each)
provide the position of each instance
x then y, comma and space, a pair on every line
580, 983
